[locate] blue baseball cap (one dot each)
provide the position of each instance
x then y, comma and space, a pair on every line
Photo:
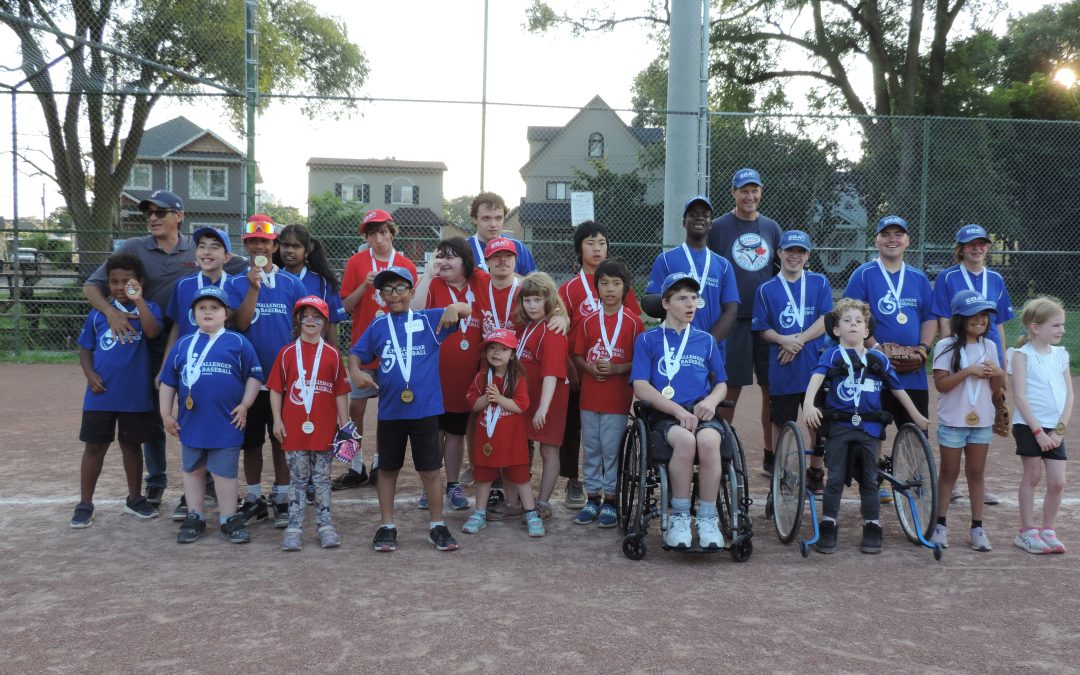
795, 238
211, 292
674, 278
745, 177
162, 199
391, 273
695, 199
220, 235
970, 303
889, 221
969, 233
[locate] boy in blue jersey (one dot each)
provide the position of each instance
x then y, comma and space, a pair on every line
856, 376
406, 342
679, 370
789, 313
217, 375
119, 400
264, 299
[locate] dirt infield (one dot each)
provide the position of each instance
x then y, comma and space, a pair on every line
122, 596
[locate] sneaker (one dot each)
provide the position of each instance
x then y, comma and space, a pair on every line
815, 481
385, 539
956, 495
504, 511
291, 540
871, 538
154, 494
496, 497
535, 524
709, 535
575, 494
181, 510
885, 495
281, 515
328, 537
475, 523
941, 536
456, 496
991, 499
349, 479
83, 516
235, 530
768, 460
1053, 544
254, 510
140, 508
191, 529
422, 504
589, 514
1030, 541
678, 532
309, 494
608, 516
826, 542
440, 538
978, 539
210, 496
544, 509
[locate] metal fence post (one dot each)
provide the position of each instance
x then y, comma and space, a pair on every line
923, 182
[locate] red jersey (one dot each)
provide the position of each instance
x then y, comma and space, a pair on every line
614, 394
508, 445
457, 366
370, 303
576, 296
542, 353
330, 382
501, 315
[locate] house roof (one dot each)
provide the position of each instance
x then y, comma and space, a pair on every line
377, 164
168, 138
416, 216
545, 213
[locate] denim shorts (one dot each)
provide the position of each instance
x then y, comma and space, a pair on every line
223, 462
960, 437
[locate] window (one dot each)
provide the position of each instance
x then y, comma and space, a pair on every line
402, 191
209, 183
353, 190
220, 226
140, 177
557, 190
596, 145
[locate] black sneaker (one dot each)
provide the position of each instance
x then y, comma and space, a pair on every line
210, 497
815, 481
440, 538
254, 511
235, 530
154, 494
191, 529
181, 510
496, 497
281, 515
140, 507
826, 542
348, 480
871, 538
385, 539
84, 515
767, 461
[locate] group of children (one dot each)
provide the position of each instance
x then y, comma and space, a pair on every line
473, 356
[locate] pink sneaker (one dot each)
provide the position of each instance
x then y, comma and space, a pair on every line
1053, 544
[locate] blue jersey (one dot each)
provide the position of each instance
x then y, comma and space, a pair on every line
424, 379
773, 310
317, 285
525, 263
271, 327
841, 396
717, 290
218, 389
179, 309
700, 368
916, 301
951, 281
124, 368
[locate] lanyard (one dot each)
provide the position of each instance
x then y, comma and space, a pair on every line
220, 283
693, 268
404, 361
609, 345
130, 312
192, 366
307, 385
375, 268
463, 324
857, 396
799, 309
479, 257
493, 412
970, 285
525, 339
509, 303
972, 390
593, 304
672, 363
897, 289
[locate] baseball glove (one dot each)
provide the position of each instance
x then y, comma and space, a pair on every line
1002, 418
347, 444
904, 359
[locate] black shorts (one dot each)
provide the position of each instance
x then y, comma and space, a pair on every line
1027, 446
784, 408
260, 422
100, 426
741, 343
422, 434
659, 425
920, 397
456, 423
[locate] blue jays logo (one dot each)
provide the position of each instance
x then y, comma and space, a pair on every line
751, 252
788, 317
107, 341
887, 305
388, 358
846, 390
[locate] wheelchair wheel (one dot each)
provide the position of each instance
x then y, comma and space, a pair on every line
630, 489
913, 465
634, 547
789, 483
732, 500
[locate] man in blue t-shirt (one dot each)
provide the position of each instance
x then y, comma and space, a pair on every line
488, 212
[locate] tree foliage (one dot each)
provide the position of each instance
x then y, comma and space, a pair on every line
331, 217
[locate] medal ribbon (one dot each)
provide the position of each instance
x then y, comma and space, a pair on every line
525, 338
509, 303
130, 312
609, 345
972, 390
851, 375
970, 285
221, 282
192, 366
269, 279
375, 268
895, 290
307, 386
404, 361
800, 309
463, 324
479, 257
492, 412
693, 268
673, 364
593, 304
1049, 376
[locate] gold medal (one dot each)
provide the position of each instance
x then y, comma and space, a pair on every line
901, 318
189, 402
487, 449
668, 392
972, 418
407, 396
1060, 429
261, 261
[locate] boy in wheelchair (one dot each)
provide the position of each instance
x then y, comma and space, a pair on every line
679, 371
853, 421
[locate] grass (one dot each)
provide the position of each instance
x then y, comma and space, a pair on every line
33, 357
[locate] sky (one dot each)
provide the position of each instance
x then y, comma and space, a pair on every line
416, 49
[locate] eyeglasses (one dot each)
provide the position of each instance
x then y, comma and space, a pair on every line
446, 255
388, 291
259, 226
157, 213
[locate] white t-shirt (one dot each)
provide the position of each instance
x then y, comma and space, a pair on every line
954, 405
1045, 382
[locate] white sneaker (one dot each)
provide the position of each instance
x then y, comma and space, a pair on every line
1030, 541
941, 536
678, 532
956, 495
708, 533
1053, 544
991, 499
979, 541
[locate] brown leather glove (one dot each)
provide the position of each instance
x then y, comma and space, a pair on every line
1002, 416
904, 359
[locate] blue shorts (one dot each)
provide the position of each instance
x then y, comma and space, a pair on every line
960, 437
223, 462
358, 393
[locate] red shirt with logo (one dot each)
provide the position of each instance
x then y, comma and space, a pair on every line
507, 445
542, 353
614, 394
370, 303
576, 298
330, 382
457, 366
502, 314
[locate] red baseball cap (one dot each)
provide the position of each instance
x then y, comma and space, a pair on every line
374, 216
497, 245
502, 336
260, 226
313, 301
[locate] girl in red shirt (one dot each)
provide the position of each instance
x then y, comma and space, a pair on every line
499, 396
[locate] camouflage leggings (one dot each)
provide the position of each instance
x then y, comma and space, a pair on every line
305, 465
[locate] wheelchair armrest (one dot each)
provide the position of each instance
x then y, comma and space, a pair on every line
727, 404
642, 409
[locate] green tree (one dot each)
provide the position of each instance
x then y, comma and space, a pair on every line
334, 220
456, 211
283, 214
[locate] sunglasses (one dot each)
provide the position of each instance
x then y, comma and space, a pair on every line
259, 226
388, 291
157, 213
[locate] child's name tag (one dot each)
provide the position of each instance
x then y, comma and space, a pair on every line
414, 326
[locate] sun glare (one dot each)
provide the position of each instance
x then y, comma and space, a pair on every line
1066, 77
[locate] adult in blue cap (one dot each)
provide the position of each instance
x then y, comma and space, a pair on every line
749, 241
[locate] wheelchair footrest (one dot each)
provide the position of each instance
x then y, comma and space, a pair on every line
693, 549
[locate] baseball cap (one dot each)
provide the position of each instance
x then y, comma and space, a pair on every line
889, 221
162, 199
312, 301
260, 226
211, 292
374, 216
497, 245
674, 278
795, 238
693, 200
390, 273
970, 303
501, 336
745, 177
970, 233
220, 235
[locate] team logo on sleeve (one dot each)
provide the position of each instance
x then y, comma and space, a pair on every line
751, 252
